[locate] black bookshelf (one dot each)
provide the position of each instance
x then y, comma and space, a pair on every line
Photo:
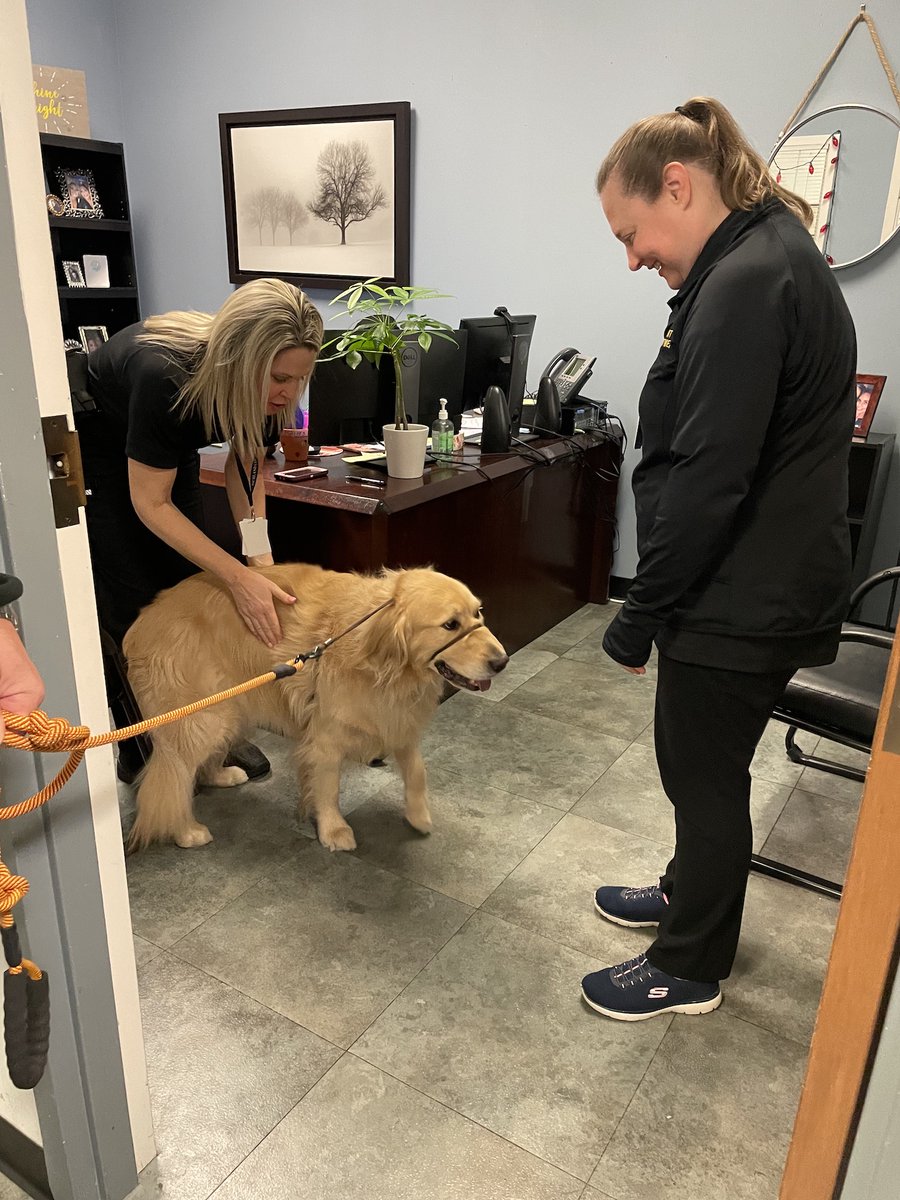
73, 237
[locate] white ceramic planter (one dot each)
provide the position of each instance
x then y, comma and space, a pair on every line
405, 450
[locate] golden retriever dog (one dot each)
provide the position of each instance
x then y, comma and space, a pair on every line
371, 694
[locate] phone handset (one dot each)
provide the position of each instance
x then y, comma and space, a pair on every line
570, 370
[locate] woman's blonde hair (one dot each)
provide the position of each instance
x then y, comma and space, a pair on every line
700, 131
228, 356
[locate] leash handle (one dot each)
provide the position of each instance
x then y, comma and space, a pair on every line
26, 1019
26, 1011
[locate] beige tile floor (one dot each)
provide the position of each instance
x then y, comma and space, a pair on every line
404, 1022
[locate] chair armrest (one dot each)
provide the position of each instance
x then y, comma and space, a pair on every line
869, 637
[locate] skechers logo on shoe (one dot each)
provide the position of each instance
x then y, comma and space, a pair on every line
658, 993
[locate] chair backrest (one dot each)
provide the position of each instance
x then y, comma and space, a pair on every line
889, 575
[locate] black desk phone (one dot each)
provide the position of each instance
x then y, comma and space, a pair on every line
570, 370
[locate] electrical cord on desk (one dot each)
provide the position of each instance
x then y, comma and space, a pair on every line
531, 453
444, 460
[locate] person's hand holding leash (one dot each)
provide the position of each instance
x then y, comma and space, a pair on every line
21, 687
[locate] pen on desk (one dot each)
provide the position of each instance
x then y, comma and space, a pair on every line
363, 479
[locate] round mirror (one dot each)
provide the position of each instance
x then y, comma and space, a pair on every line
845, 162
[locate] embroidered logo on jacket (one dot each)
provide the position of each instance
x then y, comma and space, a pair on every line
667, 338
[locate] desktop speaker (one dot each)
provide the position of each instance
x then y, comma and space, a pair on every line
495, 424
547, 409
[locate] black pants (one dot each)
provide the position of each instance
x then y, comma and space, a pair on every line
708, 724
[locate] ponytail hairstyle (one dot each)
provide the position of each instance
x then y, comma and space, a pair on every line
228, 356
700, 131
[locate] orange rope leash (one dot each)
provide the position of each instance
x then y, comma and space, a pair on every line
39, 733
27, 1000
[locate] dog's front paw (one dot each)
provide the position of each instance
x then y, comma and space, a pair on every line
224, 777
338, 837
420, 819
192, 836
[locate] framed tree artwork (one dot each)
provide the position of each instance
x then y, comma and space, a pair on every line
318, 196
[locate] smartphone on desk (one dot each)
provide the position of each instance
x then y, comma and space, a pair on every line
300, 474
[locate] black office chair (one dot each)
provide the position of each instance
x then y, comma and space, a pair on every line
839, 702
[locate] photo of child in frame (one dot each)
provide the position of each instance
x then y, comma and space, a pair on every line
79, 193
92, 337
868, 393
73, 274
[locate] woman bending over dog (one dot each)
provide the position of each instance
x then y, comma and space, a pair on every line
163, 389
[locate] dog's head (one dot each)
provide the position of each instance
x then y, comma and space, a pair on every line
437, 625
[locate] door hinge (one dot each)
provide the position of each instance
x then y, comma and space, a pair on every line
64, 470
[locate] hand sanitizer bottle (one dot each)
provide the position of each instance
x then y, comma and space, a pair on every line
442, 432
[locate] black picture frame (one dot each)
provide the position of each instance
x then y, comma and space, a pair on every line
291, 153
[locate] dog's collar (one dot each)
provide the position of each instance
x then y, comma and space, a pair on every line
319, 650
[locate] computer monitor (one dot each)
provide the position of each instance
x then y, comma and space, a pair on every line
497, 353
441, 373
347, 404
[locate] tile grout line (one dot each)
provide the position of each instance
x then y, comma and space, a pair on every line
466, 1117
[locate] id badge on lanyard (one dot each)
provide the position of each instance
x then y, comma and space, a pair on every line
254, 529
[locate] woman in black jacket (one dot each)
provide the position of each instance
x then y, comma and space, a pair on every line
741, 496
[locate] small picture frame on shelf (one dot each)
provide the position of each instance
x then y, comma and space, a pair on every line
55, 206
72, 272
96, 270
92, 337
868, 393
79, 193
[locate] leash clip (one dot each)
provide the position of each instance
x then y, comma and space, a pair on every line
315, 653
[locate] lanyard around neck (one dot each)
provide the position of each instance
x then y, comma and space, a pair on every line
249, 485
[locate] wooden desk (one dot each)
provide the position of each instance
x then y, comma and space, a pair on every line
533, 539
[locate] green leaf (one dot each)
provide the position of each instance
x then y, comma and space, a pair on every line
354, 358
424, 340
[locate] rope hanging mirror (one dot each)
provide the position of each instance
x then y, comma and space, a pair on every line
845, 161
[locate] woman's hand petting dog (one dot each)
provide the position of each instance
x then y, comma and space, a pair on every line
254, 597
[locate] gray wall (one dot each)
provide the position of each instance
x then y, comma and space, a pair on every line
81, 35
513, 110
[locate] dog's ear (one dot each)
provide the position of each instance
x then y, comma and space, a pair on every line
398, 620
387, 635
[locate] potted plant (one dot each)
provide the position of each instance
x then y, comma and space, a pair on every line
386, 326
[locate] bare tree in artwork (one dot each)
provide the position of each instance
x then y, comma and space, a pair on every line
293, 213
253, 211
347, 191
272, 199
263, 207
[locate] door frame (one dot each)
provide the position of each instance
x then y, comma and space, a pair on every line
860, 977
92, 1106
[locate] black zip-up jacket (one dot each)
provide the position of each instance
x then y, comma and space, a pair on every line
741, 493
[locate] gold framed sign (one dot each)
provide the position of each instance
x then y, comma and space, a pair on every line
60, 101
